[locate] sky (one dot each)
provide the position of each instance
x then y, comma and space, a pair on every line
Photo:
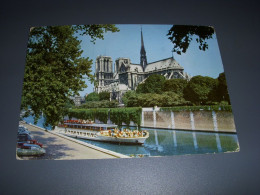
127, 43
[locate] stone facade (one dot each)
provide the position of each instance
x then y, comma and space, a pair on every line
78, 100
126, 75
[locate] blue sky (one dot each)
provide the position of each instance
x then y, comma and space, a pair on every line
127, 43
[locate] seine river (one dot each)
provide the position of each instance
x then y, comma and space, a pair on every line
171, 142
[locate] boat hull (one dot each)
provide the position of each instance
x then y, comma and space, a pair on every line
96, 136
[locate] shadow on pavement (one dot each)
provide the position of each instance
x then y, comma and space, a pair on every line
55, 150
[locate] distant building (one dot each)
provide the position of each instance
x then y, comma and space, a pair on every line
78, 100
126, 75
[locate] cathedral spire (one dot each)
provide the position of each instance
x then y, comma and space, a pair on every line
143, 59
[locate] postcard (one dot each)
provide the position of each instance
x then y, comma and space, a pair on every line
102, 91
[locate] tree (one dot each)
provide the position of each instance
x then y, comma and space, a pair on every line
175, 85
222, 90
182, 35
55, 70
104, 95
141, 88
153, 84
127, 96
132, 99
100, 104
92, 97
198, 89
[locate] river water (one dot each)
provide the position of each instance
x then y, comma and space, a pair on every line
171, 142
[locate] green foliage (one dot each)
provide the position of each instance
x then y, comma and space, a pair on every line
197, 108
98, 97
125, 115
152, 99
104, 95
100, 114
92, 97
82, 114
100, 104
55, 70
69, 103
117, 115
181, 36
219, 92
128, 95
175, 85
153, 84
141, 88
222, 90
198, 89
95, 30
178, 92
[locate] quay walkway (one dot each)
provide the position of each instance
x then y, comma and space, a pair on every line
60, 147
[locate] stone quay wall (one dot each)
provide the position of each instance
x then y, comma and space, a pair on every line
202, 120
222, 121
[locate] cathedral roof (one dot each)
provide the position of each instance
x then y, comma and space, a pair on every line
161, 64
136, 67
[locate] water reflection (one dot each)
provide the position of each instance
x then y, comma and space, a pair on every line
171, 142
39, 123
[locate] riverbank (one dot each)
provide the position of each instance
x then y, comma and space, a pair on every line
214, 119
60, 147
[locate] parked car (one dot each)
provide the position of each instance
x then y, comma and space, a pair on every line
30, 150
24, 137
35, 142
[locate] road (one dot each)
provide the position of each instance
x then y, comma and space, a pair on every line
58, 148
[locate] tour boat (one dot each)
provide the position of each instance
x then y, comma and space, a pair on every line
100, 132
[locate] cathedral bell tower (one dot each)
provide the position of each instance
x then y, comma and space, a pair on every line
143, 59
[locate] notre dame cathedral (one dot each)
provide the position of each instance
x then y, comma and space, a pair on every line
126, 75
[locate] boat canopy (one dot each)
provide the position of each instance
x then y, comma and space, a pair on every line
94, 125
